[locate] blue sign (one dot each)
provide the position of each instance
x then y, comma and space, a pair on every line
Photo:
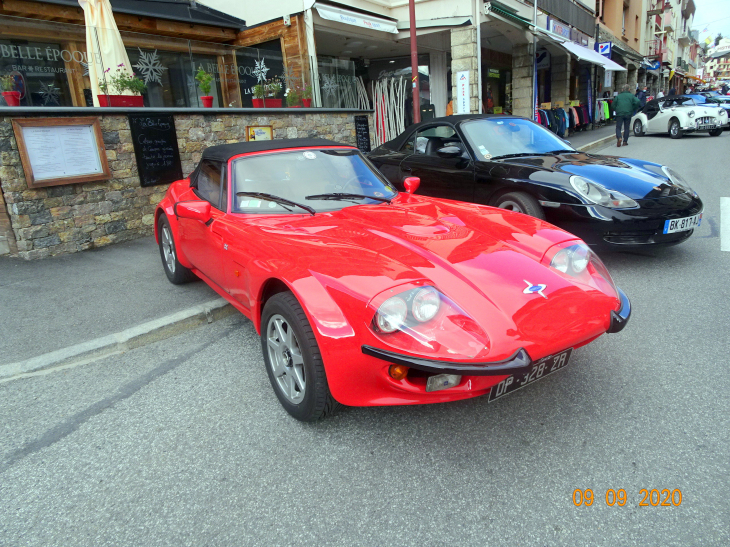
655, 65
604, 48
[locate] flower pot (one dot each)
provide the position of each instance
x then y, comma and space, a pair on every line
273, 103
258, 103
12, 98
121, 100
307, 103
207, 101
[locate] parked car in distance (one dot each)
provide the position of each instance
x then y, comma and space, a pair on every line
363, 295
679, 115
516, 164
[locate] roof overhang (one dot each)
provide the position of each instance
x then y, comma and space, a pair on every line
354, 18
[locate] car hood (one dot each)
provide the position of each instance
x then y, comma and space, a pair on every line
636, 179
480, 257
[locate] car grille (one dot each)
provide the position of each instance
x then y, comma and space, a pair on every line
708, 122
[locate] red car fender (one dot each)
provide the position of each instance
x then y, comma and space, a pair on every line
167, 207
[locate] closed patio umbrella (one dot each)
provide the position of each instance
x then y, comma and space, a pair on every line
104, 46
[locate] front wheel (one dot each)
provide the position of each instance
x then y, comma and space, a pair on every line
175, 272
293, 360
715, 132
638, 128
520, 202
675, 130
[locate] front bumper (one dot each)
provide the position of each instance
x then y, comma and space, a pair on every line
519, 362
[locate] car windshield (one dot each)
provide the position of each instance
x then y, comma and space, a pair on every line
296, 176
493, 138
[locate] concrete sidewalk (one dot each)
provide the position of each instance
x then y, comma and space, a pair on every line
103, 300
586, 141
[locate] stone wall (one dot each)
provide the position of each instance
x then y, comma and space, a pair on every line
464, 57
42, 222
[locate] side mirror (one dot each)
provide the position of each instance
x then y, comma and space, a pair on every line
411, 184
195, 210
449, 152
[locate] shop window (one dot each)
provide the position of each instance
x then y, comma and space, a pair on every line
261, 64
170, 76
40, 71
208, 183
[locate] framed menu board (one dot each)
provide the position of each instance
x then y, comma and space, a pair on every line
57, 151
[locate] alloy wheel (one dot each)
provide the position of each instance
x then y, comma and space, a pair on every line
511, 206
168, 249
285, 356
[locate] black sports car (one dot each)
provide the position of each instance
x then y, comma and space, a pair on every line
517, 164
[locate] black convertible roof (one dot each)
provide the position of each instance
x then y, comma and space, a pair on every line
224, 152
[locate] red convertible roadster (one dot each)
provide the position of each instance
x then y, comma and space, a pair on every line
366, 296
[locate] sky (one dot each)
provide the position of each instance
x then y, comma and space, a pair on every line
713, 15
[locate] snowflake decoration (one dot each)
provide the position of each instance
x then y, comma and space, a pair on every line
260, 70
149, 66
330, 86
50, 94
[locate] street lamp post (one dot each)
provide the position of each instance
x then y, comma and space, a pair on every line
414, 63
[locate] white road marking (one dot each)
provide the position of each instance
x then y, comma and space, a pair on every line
725, 224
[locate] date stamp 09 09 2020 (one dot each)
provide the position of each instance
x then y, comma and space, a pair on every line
650, 498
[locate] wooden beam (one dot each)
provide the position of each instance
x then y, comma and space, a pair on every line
74, 75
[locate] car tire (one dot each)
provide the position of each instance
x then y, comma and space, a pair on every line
520, 203
175, 272
675, 129
293, 360
638, 129
716, 132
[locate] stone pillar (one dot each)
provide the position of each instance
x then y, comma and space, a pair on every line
619, 79
464, 57
560, 82
632, 78
522, 60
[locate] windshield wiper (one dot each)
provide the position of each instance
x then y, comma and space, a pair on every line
276, 199
345, 197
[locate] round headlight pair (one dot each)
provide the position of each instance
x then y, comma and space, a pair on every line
572, 260
392, 314
595, 193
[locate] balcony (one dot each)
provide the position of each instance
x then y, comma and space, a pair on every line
667, 55
684, 38
688, 8
669, 22
653, 49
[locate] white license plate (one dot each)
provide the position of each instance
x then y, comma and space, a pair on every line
682, 224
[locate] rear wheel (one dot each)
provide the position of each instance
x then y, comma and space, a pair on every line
520, 203
638, 128
716, 132
175, 272
293, 360
675, 130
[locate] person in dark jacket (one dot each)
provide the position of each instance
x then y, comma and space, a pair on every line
672, 91
624, 105
641, 95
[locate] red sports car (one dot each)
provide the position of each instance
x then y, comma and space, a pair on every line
366, 296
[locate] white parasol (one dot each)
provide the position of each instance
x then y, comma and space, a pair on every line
104, 46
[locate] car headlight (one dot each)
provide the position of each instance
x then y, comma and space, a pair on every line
572, 260
575, 259
418, 318
722, 112
595, 193
676, 179
691, 113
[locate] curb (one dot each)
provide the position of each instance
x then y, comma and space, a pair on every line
146, 333
597, 144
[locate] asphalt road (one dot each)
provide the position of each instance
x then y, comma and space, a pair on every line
183, 442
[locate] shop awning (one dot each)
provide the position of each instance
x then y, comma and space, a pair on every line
340, 15
591, 56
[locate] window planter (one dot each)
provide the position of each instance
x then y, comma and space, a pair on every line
12, 98
207, 101
121, 100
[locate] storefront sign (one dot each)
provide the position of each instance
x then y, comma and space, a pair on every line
462, 92
348, 17
608, 79
61, 150
604, 48
492, 73
155, 148
259, 132
542, 59
559, 29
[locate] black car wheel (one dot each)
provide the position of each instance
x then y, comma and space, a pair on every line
638, 128
716, 132
520, 203
293, 360
675, 130
175, 272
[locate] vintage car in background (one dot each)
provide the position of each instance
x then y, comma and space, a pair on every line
679, 115
363, 295
516, 164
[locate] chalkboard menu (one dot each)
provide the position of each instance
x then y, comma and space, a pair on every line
362, 133
155, 147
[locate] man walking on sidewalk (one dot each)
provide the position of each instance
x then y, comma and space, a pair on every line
624, 105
